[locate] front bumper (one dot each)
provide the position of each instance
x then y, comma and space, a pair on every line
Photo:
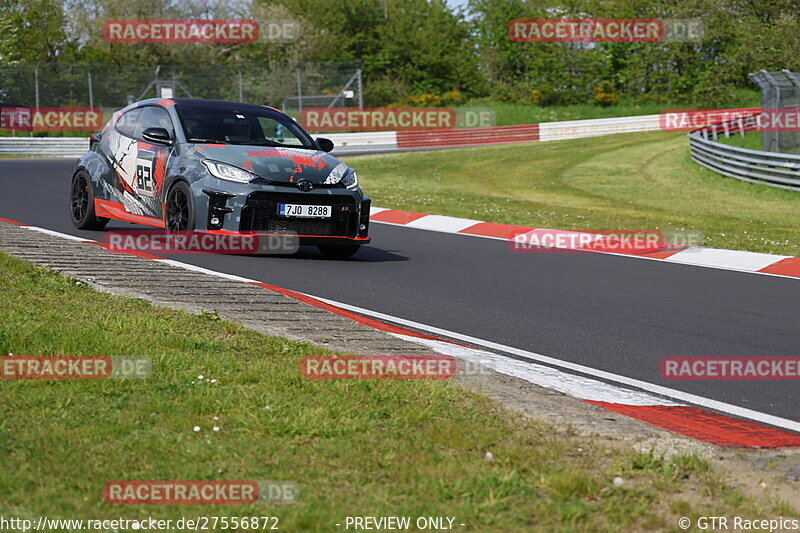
253, 209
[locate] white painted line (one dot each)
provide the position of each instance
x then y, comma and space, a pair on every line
582, 387
685, 259
676, 395
185, 266
375, 210
728, 259
441, 223
544, 376
56, 234
202, 270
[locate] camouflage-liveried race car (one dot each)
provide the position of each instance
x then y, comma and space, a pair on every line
220, 167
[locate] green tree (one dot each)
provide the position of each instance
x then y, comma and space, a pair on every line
32, 31
405, 46
556, 72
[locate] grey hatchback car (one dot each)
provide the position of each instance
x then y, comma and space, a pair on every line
220, 167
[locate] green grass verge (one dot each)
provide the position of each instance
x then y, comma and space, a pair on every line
627, 181
508, 114
751, 141
400, 448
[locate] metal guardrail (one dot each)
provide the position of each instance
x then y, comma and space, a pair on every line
577, 129
755, 166
374, 141
415, 140
45, 146
382, 141
389, 141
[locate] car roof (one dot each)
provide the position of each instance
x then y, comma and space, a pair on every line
199, 102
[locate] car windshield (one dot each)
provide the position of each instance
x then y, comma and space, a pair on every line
241, 125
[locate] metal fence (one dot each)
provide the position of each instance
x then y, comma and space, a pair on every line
779, 90
290, 86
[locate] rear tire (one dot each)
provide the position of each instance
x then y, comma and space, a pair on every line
81, 204
179, 214
338, 252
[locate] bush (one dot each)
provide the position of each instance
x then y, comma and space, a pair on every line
604, 94
382, 92
546, 96
504, 93
606, 99
535, 97
422, 100
453, 97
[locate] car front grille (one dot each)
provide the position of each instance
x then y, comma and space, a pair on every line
260, 214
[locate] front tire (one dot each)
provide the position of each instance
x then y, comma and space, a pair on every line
338, 252
179, 214
81, 205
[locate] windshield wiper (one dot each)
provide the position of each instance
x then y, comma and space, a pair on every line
201, 140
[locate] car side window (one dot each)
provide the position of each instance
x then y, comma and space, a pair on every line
154, 117
277, 132
126, 124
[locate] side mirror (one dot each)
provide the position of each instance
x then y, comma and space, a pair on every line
326, 145
157, 135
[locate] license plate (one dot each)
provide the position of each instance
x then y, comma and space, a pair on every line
304, 211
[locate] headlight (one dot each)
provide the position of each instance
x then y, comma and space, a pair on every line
224, 171
350, 180
336, 174
344, 175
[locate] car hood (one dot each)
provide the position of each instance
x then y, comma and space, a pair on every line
277, 165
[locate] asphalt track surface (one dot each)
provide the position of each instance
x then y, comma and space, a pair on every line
617, 314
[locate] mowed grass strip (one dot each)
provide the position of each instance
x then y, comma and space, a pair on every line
626, 181
399, 448
750, 140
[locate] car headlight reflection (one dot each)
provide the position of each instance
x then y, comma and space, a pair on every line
224, 171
